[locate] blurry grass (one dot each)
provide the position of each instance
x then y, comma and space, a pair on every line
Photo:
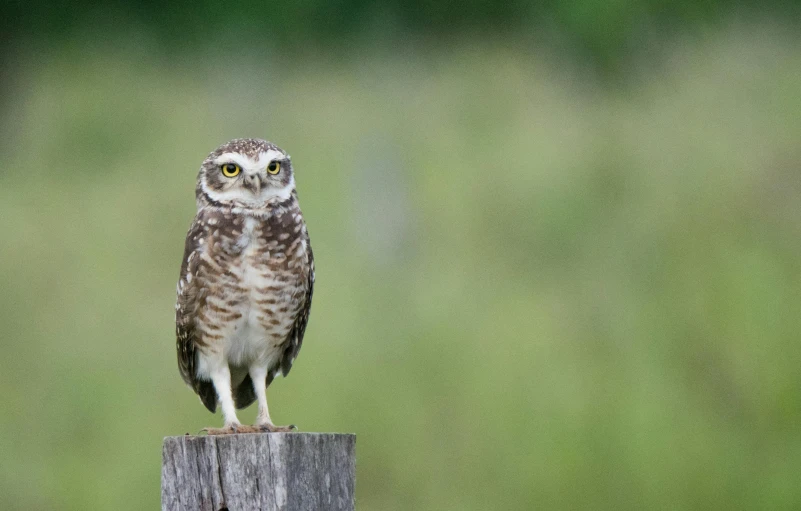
532, 292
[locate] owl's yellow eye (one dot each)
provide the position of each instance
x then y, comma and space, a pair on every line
230, 169
274, 167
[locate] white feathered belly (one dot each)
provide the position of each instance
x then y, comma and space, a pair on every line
257, 338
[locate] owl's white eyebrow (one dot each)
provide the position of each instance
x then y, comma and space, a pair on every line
262, 160
266, 157
237, 158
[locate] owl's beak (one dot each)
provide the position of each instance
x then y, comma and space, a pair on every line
253, 183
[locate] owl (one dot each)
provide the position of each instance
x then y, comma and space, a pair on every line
246, 282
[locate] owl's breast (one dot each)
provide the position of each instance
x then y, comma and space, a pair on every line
270, 288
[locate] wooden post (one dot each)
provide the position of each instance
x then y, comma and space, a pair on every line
267, 471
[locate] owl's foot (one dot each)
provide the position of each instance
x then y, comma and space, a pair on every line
235, 429
231, 429
272, 428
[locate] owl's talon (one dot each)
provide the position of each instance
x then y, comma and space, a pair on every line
272, 428
227, 430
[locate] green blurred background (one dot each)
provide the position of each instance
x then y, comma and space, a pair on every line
558, 244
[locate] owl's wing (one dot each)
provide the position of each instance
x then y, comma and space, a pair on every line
190, 296
299, 328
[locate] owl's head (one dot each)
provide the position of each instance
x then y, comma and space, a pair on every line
245, 172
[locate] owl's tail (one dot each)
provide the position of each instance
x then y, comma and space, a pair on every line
208, 396
244, 394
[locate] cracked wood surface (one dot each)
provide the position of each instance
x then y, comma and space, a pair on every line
268, 471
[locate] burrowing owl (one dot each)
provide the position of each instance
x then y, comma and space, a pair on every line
246, 281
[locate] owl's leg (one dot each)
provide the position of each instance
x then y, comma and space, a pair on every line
221, 378
263, 422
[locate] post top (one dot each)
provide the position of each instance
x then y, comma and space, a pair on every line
266, 435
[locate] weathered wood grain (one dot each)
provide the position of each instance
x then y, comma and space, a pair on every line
269, 471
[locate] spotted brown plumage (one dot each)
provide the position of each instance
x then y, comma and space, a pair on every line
246, 282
